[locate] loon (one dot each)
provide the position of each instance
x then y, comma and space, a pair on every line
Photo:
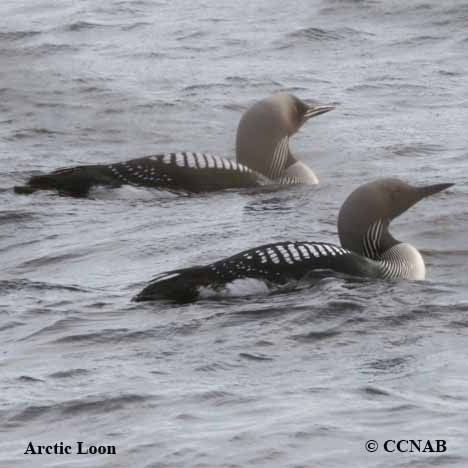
263, 157
367, 249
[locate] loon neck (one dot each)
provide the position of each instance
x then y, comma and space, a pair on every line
299, 173
396, 259
402, 261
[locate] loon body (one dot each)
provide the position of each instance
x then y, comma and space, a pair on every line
191, 172
367, 249
262, 157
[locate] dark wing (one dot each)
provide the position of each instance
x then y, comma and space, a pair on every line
192, 172
276, 264
281, 262
74, 181
177, 285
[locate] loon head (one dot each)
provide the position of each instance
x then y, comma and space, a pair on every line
262, 141
364, 218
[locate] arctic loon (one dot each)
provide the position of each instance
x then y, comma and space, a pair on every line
263, 157
367, 249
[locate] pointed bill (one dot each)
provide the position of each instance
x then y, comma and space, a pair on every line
317, 109
432, 189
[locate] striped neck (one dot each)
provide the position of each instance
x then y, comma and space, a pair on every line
396, 259
373, 239
286, 169
279, 159
299, 173
280, 166
402, 261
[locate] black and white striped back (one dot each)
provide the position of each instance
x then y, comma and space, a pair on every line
279, 262
275, 264
187, 171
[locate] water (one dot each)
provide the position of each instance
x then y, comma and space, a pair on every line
298, 379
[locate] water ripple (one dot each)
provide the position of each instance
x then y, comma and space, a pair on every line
87, 406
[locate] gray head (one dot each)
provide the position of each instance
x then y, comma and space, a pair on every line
366, 214
262, 141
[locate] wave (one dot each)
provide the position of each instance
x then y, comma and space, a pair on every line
17, 35
22, 283
87, 406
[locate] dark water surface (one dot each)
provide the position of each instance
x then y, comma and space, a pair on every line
299, 379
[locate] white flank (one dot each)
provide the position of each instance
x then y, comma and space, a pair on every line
236, 288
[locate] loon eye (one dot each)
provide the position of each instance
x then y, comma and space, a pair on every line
396, 193
300, 108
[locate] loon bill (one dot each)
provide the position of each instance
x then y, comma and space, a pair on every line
367, 249
262, 157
